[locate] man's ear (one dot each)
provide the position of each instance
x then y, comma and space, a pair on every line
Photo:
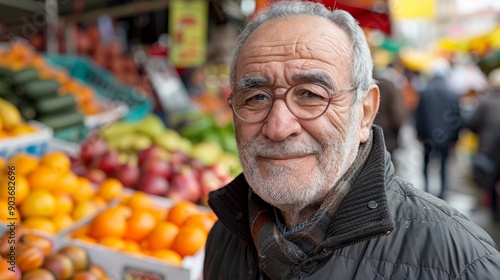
369, 110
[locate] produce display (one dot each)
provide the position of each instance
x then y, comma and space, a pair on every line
149, 157
36, 259
141, 227
49, 197
11, 122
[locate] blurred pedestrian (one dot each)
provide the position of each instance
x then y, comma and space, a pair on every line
391, 112
438, 120
485, 122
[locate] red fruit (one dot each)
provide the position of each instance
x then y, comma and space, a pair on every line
109, 162
96, 176
184, 185
158, 167
128, 174
154, 184
209, 181
92, 148
151, 152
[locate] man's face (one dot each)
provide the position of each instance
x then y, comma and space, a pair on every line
288, 161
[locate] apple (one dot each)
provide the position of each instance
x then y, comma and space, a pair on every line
151, 152
128, 173
153, 184
184, 185
209, 181
96, 176
109, 162
92, 148
157, 166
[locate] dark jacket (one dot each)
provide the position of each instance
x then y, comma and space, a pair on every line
405, 234
437, 117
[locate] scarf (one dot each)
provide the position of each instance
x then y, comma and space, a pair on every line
280, 252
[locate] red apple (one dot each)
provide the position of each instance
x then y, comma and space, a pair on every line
128, 174
184, 185
209, 181
96, 176
157, 166
151, 152
153, 184
109, 162
92, 148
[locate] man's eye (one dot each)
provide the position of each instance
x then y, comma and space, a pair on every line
307, 94
258, 97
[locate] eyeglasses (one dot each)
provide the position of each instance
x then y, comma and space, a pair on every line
306, 101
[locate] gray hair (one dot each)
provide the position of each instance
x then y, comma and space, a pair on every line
362, 63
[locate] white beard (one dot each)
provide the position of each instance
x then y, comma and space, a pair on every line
282, 187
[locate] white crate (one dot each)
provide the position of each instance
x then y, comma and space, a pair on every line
34, 143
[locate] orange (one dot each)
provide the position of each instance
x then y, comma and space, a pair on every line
62, 221
22, 129
85, 189
131, 247
64, 203
108, 223
140, 225
58, 161
140, 200
162, 236
3, 162
203, 221
180, 211
110, 189
9, 214
18, 188
40, 223
39, 203
85, 238
113, 242
24, 163
99, 202
160, 214
189, 240
84, 208
43, 177
81, 231
125, 211
168, 256
68, 182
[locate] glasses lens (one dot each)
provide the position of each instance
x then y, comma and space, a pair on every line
251, 105
308, 101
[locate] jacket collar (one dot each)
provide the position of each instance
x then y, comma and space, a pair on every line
363, 214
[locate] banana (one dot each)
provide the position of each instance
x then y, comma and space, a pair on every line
10, 115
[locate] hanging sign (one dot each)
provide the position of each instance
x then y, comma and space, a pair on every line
188, 21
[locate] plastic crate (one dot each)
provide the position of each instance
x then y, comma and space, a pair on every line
34, 143
104, 84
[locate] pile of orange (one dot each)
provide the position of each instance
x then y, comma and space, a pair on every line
139, 226
48, 196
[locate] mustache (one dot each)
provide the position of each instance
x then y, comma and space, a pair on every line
266, 148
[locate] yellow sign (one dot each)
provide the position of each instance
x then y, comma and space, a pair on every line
188, 21
405, 9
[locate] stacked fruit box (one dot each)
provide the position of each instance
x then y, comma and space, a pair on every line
147, 237
35, 143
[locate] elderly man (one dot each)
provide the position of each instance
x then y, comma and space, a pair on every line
318, 197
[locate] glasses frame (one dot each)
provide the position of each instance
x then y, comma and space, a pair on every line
274, 97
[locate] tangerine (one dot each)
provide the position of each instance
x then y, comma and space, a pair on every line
84, 208
110, 188
24, 163
85, 189
112, 242
62, 221
140, 225
39, 203
68, 182
131, 247
108, 223
201, 220
40, 223
140, 200
168, 256
19, 187
162, 236
189, 240
43, 177
57, 160
181, 211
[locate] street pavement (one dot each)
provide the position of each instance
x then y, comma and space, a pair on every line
461, 193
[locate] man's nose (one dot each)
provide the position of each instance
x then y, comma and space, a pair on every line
281, 122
